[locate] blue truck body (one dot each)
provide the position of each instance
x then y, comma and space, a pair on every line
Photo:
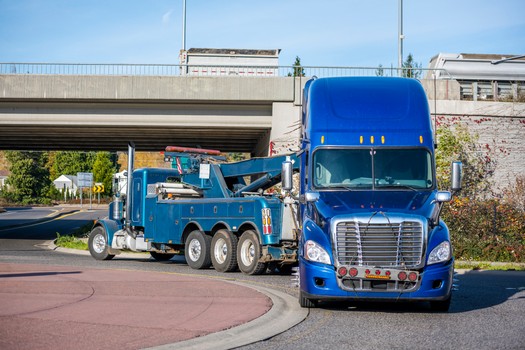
372, 230
363, 224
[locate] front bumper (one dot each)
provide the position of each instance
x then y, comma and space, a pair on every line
319, 282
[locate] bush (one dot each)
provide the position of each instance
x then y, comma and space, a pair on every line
486, 230
71, 242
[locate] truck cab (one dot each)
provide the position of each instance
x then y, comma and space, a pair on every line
370, 203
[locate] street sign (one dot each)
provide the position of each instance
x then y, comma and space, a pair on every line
98, 188
84, 179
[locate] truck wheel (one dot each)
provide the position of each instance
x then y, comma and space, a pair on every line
98, 244
224, 251
197, 250
249, 253
161, 256
305, 302
441, 305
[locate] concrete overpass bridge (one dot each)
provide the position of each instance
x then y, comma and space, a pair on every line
102, 107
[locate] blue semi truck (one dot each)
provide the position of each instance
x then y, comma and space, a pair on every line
363, 224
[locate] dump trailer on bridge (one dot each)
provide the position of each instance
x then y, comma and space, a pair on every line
363, 224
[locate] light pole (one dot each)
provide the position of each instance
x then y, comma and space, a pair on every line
400, 37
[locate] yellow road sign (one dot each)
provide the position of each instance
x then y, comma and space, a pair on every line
98, 188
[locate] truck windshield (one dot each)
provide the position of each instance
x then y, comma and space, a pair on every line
384, 168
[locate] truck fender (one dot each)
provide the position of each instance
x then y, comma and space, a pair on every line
110, 226
437, 235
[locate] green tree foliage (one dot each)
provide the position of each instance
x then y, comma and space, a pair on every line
456, 143
29, 179
298, 70
482, 228
411, 69
72, 162
103, 170
380, 71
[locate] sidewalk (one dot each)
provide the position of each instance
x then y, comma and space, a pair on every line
62, 307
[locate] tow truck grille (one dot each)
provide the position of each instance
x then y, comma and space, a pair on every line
379, 244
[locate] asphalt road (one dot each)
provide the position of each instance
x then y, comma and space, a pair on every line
486, 313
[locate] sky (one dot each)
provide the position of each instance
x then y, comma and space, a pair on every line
350, 33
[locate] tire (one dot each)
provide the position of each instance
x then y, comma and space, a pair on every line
249, 253
224, 251
98, 244
441, 305
197, 250
161, 256
305, 302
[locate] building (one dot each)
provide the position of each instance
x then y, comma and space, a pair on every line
66, 182
4, 174
483, 76
222, 62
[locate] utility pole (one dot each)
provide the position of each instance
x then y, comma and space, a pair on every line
400, 38
183, 25
182, 55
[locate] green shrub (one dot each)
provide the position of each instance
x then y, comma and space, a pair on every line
486, 230
71, 242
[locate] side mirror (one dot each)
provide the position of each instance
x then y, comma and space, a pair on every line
443, 196
456, 175
311, 196
287, 175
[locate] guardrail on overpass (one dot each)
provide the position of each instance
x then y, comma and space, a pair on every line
207, 70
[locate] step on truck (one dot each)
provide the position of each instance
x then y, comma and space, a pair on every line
363, 224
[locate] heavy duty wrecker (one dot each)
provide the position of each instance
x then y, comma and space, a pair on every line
363, 224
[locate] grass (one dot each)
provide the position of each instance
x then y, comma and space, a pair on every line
71, 242
75, 239
485, 265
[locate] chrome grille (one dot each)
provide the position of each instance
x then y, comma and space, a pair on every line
386, 244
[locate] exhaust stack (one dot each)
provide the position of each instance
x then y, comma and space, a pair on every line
129, 193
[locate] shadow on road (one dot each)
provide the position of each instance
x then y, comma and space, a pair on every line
477, 290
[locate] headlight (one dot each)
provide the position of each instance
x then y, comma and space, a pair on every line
314, 252
440, 253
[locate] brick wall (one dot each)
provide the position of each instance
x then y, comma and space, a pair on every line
501, 138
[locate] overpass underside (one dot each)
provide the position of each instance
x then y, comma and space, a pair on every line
152, 126
64, 112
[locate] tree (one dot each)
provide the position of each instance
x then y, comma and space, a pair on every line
478, 167
103, 170
380, 72
411, 69
72, 162
29, 179
298, 70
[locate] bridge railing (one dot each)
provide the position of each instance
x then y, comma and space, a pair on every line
207, 70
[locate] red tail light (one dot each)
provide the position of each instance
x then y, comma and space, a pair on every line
412, 276
402, 276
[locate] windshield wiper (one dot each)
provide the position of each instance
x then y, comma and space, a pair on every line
339, 186
406, 187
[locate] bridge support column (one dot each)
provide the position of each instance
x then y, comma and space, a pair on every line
285, 131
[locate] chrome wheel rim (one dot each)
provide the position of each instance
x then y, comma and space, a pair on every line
247, 253
220, 250
194, 249
99, 243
